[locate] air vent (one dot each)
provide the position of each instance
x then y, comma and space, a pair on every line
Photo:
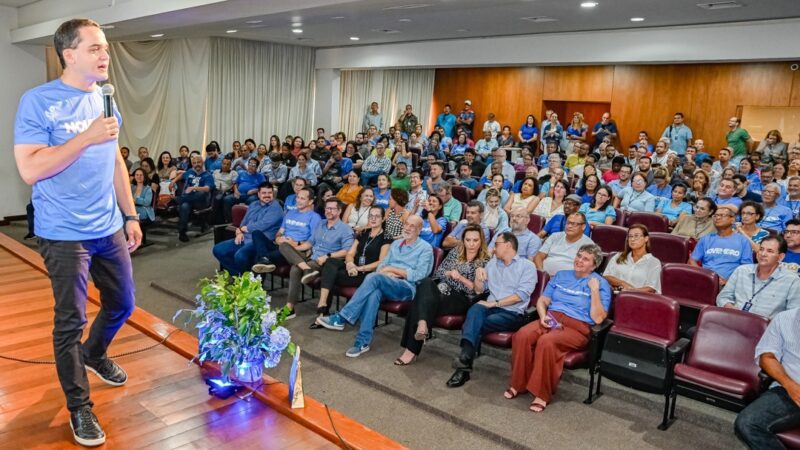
540, 19
720, 5
405, 7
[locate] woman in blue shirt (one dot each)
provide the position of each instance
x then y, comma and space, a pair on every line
600, 209
588, 187
553, 130
383, 191
303, 170
142, 196
460, 146
528, 133
748, 169
676, 208
433, 222
635, 197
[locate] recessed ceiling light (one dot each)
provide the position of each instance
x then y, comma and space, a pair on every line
637, 19
404, 20
297, 25
231, 31
253, 22
337, 17
354, 38
588, 4
462, 30
106, 27
157, 35
297, 30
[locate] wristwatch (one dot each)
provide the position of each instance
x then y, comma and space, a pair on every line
129, 218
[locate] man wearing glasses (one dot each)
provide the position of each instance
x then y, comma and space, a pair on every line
559, 250
764, 288
510, 280
724, 250
792, 235
528, 243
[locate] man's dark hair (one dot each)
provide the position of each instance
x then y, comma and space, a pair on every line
400, 196
401, 162
334, 200
740, 177
470, 150
265, 185
794, 221
475, 204
448, 105
438, 163
510, 238
311, 194
679, 114
212, 147
250, 140
628, 166
618, 160
782, 246
463, 164
68, 36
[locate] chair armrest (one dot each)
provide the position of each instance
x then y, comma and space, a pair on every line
597, 338
764, 380
676, 351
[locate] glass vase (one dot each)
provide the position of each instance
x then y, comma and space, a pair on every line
248, 371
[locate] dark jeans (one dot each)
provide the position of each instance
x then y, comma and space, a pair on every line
481, 319
772, 412
188, 203
69, 264
266, 248
428, 303
29, 216
335, 274
236, 259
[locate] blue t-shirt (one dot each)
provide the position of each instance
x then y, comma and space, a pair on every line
247, 181
447, 122
79, 202
213, 164
290, 204
572, 296
665, 192
195, 179
791, 261
558, 223
427, 235
723, 254
528, 131
299, 225
599, 216
671, 212
775, 218
382, 200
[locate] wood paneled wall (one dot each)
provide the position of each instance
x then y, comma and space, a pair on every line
642, 97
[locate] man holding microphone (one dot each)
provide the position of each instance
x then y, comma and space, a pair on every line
66, 147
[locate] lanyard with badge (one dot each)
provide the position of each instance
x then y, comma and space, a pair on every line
362, 259
749, 304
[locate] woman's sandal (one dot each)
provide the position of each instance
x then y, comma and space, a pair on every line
510, 394
400, 362
419, 336
537, 407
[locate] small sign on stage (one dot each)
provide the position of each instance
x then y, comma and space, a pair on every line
296, 382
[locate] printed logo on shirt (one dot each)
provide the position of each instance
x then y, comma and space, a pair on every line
571, 291
296, 223
78, 126
723, 251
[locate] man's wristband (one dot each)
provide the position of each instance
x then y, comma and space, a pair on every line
129, 218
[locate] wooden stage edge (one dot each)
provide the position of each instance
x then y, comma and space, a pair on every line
273, 393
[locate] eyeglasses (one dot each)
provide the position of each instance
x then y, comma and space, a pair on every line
791, 232
575, 224
721, 216
375, 216
500, 242
331, 208
748, 213
634, 237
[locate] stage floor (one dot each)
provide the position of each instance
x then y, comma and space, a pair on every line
165, 402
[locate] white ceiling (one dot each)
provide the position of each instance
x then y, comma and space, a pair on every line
16, 3
387, 21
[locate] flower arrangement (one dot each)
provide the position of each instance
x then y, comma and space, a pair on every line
236, 326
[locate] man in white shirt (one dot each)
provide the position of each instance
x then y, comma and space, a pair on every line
492, 126
559, 250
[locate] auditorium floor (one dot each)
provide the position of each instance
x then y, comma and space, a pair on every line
412, 404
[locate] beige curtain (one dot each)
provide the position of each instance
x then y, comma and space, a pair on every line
354, 100
257, 89
407, 86
161, 92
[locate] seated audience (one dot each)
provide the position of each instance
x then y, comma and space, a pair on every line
698, 224
357, 214
474, 217
510, 282
448, 291
792, 236
588, 186
600, 209
245, 189
499, 156
777, 409
725, 193
558, 222
498, 183
397, 214
775, 214
367, 251
559, 250
237, 255
553, 203
433, 222
382, 191
751, 213
476, 166
330, 238
465, 179
570, 304
417, 196
452, 208
635, 268
494, 216
350, 191
700, 186
764, 288
792, 198
528, 243
142, 196
336, 169
224, 180
375, 164
399, 178
197, 191
623, 181
675, 208
527, 198
432, 182
304, 170
276, 171
409, 260
723, 250
297, 185
635, 197
660, 188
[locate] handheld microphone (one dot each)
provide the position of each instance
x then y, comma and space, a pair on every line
108, 92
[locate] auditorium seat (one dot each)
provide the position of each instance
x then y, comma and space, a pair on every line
228, 231
503, 338
400, 308
669, 248
719, 368
694, 288
610, 238
536, 224
791, 439
653, 221
642, 346
462, 194
621, 217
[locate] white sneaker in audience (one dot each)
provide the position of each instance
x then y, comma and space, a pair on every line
309, 277
263, 266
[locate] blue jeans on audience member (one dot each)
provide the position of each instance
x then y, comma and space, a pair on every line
264, 247
368, 177
773, 412
481, 319
236, 259
365, 304
189, 202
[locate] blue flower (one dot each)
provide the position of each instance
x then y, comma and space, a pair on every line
279, 339
272, 360
268, 320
